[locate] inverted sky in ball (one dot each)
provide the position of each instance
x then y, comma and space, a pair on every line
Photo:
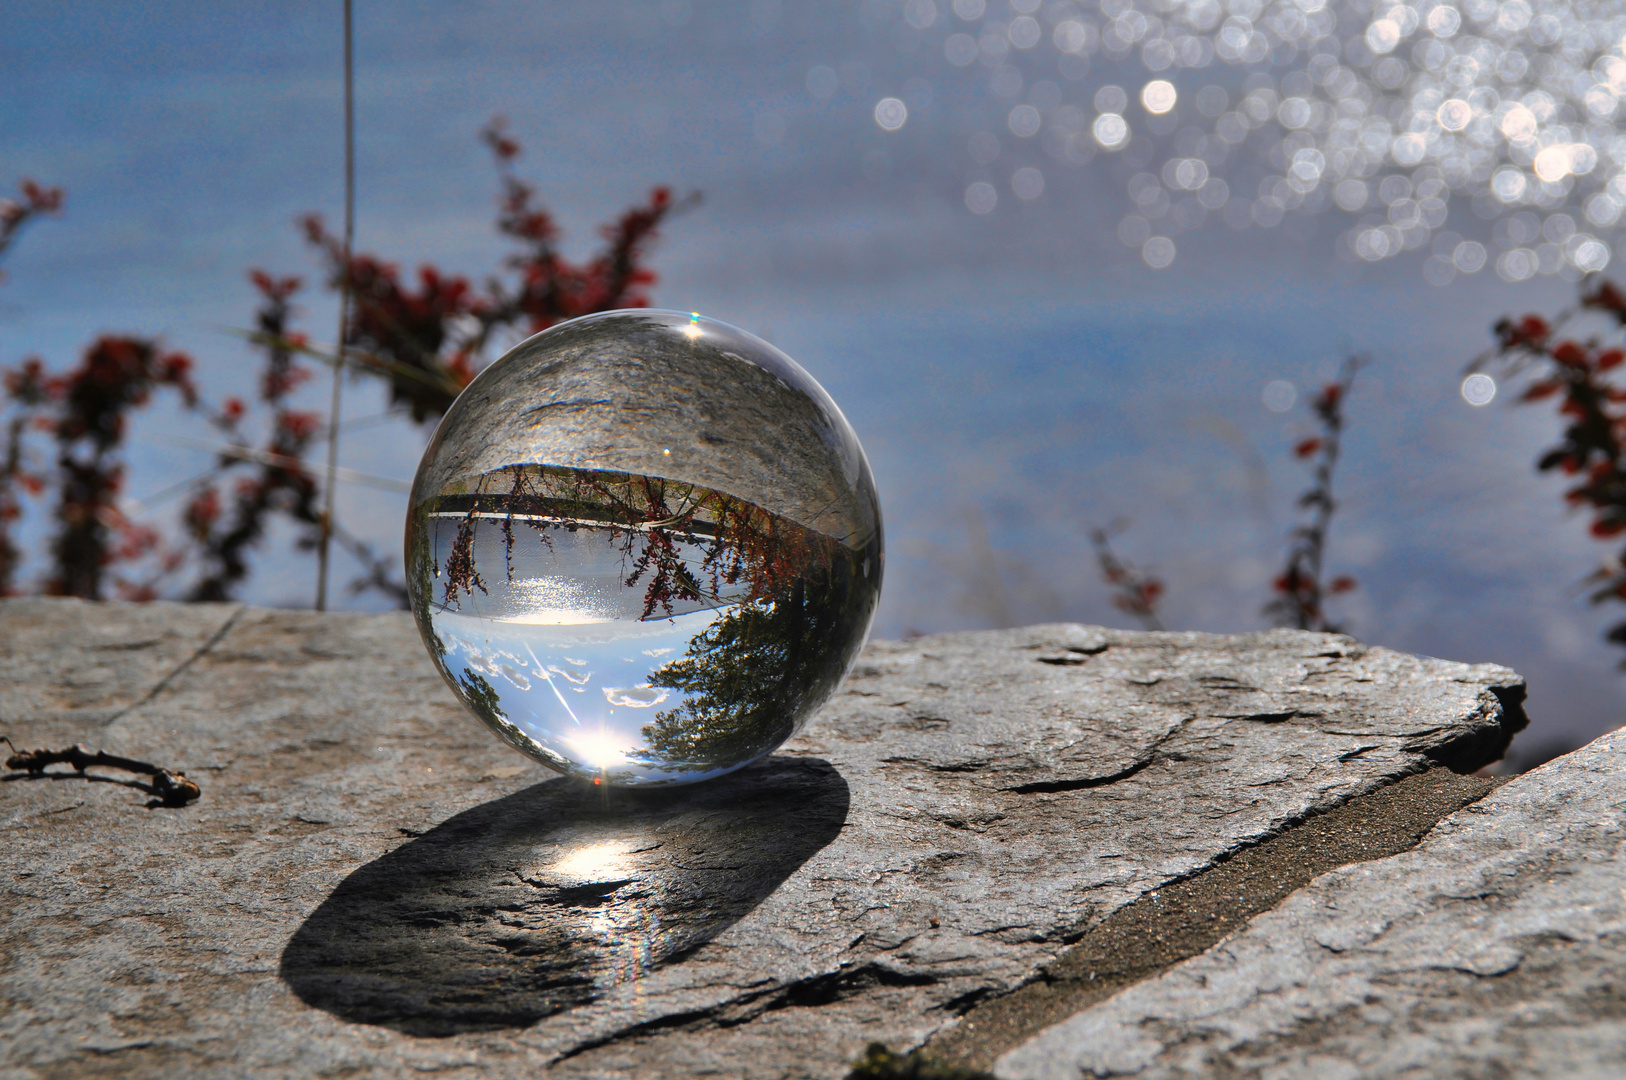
643, 547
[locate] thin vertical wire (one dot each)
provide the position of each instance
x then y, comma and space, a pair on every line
344, 311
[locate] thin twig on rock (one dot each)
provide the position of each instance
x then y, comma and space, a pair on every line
170, 788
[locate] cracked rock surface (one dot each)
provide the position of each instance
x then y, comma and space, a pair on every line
1497, 947
371, 884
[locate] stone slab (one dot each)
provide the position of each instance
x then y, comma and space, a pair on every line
372, 885
1497, 947
1180, 920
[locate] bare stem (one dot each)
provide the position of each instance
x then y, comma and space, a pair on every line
344, 309
171, 788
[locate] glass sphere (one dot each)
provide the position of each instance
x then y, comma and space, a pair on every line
643, 547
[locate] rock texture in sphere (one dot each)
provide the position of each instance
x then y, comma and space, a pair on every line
1495, 948
371, 885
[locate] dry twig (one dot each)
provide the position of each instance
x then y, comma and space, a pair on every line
169, 788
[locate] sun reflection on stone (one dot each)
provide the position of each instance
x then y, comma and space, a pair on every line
592, 861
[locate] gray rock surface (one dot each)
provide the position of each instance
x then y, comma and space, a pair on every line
371, 884
1497, 947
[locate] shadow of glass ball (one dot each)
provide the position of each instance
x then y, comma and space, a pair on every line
544, 900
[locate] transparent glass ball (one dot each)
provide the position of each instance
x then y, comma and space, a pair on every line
644, 547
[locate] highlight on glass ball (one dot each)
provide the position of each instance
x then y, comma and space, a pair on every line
644, 547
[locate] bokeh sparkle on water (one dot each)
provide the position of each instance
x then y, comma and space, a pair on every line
1502, 118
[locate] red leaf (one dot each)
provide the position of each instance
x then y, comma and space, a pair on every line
1570, 354
299, 425
1611, 358
504, 146
1607, 297
1341, 585
1307, 447
42, 200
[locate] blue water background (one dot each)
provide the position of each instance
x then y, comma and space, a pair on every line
1015, 378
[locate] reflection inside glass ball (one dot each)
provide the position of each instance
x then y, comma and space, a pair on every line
644, 547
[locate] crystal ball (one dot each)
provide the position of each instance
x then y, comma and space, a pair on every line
643, 547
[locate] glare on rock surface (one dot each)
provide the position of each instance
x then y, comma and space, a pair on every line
643, 547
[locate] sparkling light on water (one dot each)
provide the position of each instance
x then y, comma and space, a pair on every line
1396, 116
1478, 389
891, 113
1279, 395
981, 198
1158, 96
